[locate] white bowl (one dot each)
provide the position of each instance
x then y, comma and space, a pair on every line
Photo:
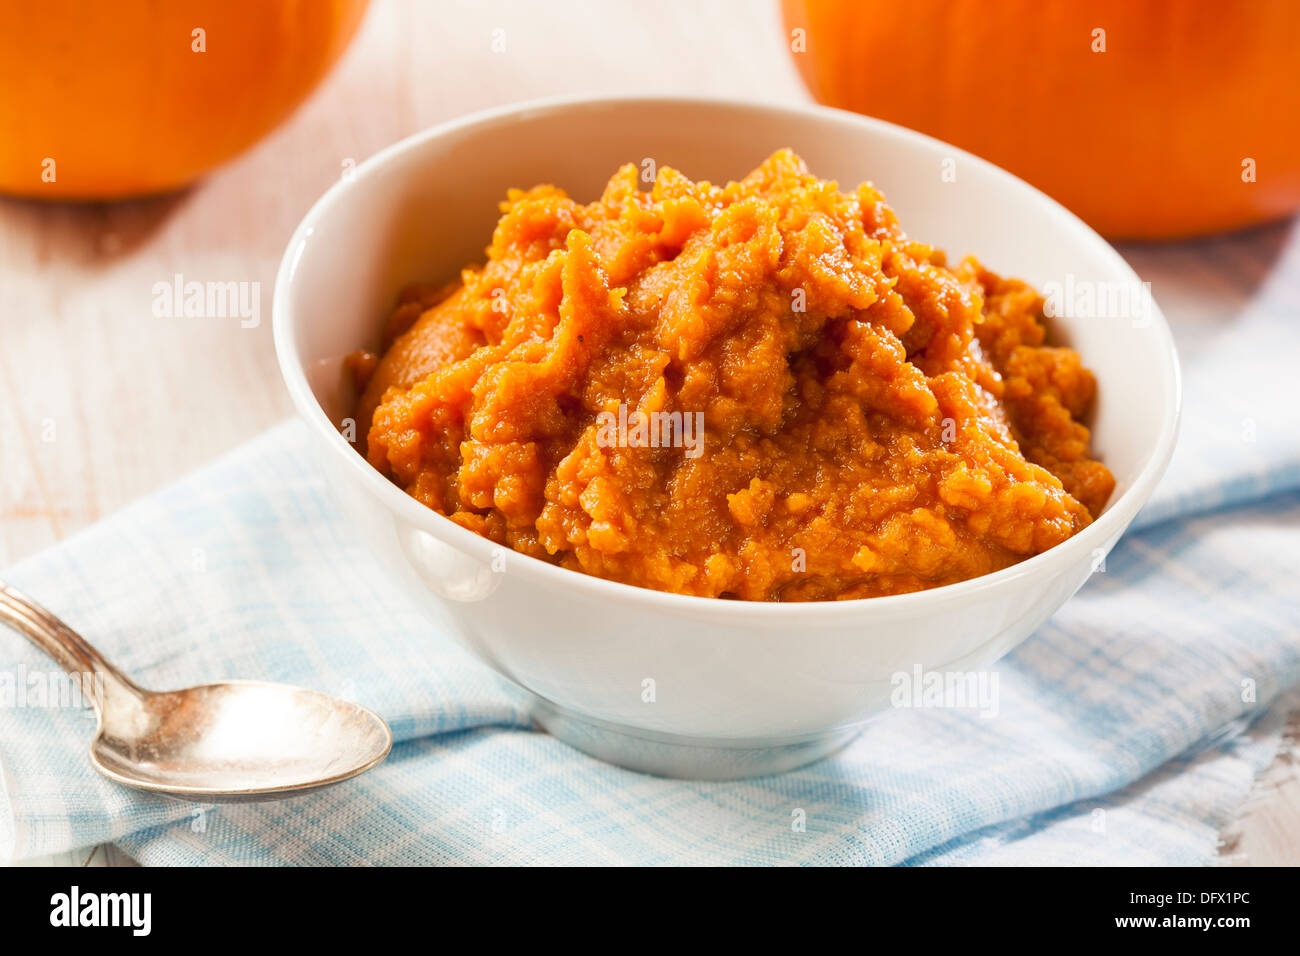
665, 683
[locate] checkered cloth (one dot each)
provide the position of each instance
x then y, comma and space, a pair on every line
1128, 729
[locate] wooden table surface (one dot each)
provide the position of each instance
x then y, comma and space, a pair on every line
101, 402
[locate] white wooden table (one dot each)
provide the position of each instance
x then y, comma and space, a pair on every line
101, 402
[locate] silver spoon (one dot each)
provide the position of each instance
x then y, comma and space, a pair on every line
233, 741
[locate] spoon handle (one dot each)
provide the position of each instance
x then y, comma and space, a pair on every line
59, 641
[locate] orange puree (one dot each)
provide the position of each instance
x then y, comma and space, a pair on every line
872, 420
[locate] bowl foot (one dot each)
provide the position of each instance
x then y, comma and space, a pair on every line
687, 758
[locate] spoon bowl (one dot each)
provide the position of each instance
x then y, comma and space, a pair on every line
239, 741
234, 741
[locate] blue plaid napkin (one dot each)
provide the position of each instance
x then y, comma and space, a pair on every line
1128, 728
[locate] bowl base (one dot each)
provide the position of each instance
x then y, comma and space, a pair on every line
682, 757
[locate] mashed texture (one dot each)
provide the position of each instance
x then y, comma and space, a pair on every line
874, 421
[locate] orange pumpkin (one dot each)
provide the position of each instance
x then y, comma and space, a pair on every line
1148, 118
121, 98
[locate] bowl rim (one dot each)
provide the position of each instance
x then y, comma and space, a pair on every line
1075, 549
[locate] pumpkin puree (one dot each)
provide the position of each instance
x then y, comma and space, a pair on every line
874, 420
